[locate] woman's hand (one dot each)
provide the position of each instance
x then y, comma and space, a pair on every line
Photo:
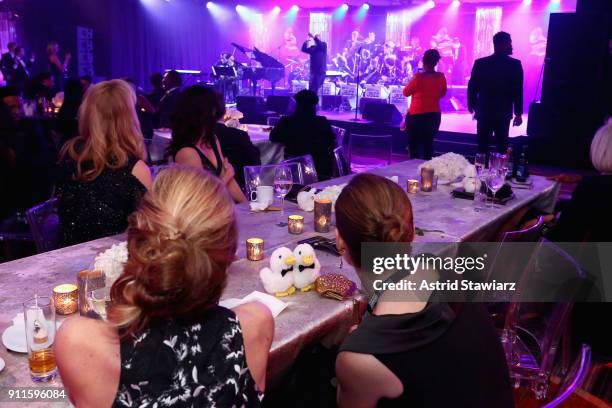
227, 173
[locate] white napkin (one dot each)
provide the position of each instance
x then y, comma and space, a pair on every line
257, 206
19, 321
394, 179
275, 305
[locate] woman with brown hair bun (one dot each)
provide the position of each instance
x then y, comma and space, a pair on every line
167, 341
408, 353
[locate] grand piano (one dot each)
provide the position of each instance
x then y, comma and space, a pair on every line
262, 66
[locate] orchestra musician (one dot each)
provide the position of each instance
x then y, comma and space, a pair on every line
227, 85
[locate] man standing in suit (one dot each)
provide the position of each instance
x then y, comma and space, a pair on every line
171, 84
318, 61
494, 89
7, 63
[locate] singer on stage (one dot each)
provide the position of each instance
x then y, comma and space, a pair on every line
317, 50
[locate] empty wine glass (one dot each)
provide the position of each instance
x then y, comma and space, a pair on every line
495, 181
283, 181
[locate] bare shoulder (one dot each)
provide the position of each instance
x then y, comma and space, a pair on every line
187, 156
142, 172
365, 374
84, 333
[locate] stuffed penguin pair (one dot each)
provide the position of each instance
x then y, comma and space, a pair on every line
290, 270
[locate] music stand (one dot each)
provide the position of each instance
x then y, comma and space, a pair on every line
223, 74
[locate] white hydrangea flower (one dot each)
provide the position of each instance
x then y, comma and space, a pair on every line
111, 262
448, 167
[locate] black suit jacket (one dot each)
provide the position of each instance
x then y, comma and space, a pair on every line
496, 87
238, 148
7, 63
166, 107
303, 134
318, 56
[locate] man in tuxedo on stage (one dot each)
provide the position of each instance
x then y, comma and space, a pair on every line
317, 50
7, 63
495, 89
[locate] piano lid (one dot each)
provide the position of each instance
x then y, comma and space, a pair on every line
264, 59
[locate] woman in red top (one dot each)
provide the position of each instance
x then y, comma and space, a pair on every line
423, 119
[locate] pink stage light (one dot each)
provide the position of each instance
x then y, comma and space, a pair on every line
555, 1
345, 6
276, 10
527, 2
431, 4
295, 8
365, 6
456, 3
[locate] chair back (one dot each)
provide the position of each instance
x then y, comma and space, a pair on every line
306, 168
574, 378
43, 220
156, 152
366, 152
342, 167
272, 120
255, 176
532, 331
339, 133
531, 234
155, 170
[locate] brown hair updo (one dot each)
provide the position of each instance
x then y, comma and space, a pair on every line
373, 209
181, 241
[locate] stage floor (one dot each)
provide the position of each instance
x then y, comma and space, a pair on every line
459, 122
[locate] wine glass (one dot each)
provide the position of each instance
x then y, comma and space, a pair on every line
283, 181
495, 181
480, 162
97, 294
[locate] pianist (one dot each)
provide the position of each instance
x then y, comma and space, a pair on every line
317, 50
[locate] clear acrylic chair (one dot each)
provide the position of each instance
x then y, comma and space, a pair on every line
366, 152
306, 168
341, 165
43, 221
272, 120
255, 176
533, 331
339, 133
574, 378
155, 170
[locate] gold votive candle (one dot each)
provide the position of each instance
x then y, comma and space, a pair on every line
295, 224
255, 249
66, 298
322, 215
427, 175
412, 186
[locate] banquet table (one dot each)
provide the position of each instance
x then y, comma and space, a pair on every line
308, 316
271, 153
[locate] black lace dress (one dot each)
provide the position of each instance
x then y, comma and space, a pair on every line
187, 364
94, 209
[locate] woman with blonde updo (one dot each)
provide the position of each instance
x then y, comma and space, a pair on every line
103, 173
167, 341
408, 353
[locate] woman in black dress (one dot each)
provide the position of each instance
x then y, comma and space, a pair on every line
410, 353
167, 342
103, 175
194, 140
57, 68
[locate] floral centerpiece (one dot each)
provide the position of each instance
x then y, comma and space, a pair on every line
448, 167
111, 262
232, 119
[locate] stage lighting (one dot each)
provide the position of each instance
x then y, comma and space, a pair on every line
431, 4
276, 10
456, 3
555, 1
527, 2
209, 5
365, 6
344, 6
295, 8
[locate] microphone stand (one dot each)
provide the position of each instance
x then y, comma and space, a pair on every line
358, 64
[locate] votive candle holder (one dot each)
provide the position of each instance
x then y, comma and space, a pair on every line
322, 215
255, 249
412, 186
66, 298
295, 224
427, 175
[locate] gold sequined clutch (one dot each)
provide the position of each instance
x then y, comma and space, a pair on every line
335, 286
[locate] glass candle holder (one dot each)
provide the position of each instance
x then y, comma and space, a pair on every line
322, 215
412, 186
295, 224
66, 298
39, 316
88, 280
427, 175
255, 249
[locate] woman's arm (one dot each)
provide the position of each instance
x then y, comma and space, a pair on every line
142, 172
410, 88
257, 326
443, 88
228, 176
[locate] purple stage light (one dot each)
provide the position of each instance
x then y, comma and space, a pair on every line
455, 3
365, 6
527, 2
295, 8
431, 4
276, 10
345, 6
209, 5
555, 1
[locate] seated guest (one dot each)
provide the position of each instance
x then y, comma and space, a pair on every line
236, 145
157, 90
42, 85
587, 216
306, 133
67, 124
194, 142
167, 341
172, 90
410, 353
103, 175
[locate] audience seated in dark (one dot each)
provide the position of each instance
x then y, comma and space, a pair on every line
236, 145
144, 110
103, 175
67, 124
306, 133
194, 141
405, 351
157, 89
42, 85
172, 90
181, 241
34, 152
